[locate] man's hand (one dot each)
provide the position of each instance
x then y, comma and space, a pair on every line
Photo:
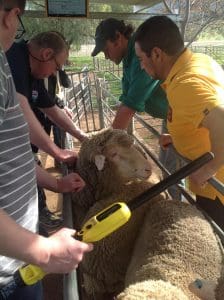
63, 252
165, 140
67, 156
201, 176
83, 136
70, 183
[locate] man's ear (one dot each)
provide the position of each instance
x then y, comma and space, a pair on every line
157, 54
47, 53
9, 18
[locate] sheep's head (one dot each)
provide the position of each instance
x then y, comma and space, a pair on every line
115, 150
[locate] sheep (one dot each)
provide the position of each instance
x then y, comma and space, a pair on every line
107, 161
115, 169
175, 245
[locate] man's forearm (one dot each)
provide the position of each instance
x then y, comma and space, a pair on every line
45, 180
60, 118
214, 122
123, 117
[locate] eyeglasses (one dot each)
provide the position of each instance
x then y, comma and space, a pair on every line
21, 30
58, 67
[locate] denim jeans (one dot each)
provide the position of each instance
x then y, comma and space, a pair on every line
172, 163
13, 292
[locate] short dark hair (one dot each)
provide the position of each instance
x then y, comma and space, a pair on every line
7, 4
107, 30
161, 32
50, 39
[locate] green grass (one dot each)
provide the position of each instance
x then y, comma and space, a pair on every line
76, 64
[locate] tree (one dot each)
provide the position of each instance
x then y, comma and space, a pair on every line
195, 15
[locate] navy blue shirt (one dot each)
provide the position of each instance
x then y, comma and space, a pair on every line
33, 89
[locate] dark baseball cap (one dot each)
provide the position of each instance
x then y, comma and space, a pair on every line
105, 31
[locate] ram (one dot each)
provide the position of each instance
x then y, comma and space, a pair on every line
115, 169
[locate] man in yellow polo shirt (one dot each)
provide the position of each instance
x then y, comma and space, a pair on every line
194, 84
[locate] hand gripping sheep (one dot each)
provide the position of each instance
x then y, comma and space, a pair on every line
113, 217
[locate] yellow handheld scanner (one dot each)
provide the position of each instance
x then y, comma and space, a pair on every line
104, 223
114, 216
95, 229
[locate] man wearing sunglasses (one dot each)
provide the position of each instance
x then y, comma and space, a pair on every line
19, 243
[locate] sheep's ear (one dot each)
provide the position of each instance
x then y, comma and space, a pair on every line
99, 161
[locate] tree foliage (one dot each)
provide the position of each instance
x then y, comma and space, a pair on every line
76, 32
196, 15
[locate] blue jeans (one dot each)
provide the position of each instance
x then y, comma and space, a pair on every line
29, 292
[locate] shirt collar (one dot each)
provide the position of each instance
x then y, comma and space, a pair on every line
178, 65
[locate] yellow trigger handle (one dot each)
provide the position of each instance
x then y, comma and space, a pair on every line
29, 275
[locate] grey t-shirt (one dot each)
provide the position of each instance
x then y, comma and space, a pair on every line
18, 193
